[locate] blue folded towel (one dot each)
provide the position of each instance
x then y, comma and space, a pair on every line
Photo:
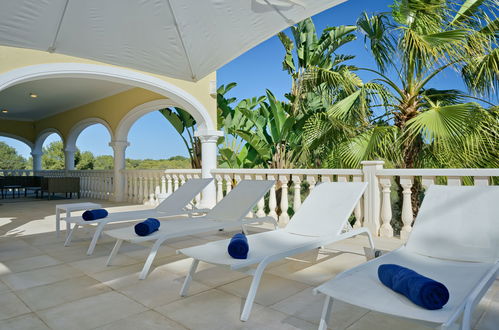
421, 290
94, 214
238, 247
147, 227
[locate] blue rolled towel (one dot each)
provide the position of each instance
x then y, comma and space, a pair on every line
421, 290
94, 214
147, 227
238, 247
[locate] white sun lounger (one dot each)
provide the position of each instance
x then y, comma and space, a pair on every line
229, 213
455, 241
174, 205
318, 222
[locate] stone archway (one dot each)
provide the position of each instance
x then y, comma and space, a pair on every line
176, 95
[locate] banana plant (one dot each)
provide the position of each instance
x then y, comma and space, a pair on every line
233, 149
185, 125
273, 136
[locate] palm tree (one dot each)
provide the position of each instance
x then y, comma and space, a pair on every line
405, 121
398, 116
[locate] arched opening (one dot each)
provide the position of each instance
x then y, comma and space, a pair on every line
174, 94
155, 144
51, 145
14, 152
93, 150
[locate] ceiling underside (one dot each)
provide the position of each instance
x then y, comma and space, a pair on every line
54, 95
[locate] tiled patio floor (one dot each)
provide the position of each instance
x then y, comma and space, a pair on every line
44, 285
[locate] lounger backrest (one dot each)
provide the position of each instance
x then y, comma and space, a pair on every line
458, 223
326, 209
240, 201
183, 195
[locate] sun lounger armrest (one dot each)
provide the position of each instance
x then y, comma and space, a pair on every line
475, 296
358, 231
190, 212
268, 219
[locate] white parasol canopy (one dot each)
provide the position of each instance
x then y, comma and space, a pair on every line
185, 39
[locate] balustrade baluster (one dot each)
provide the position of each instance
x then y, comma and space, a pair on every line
297, 192
311, 179
175, 182
407, 215
228, 182
129, 180
358, 208
272, 198
220, 187
261, 203
284, 217
386, 229
427, 181
326, 178
342, 178
453, 181
481, 180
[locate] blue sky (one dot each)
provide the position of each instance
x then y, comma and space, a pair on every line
258, 69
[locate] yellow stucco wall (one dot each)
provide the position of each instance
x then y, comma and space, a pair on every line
23, 129
111, 109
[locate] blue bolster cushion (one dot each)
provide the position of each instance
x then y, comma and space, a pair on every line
238, 247
94, 214
421, 290
147, 227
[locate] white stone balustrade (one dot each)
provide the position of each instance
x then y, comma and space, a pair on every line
426, 177
153, 186
374, 210
289, 181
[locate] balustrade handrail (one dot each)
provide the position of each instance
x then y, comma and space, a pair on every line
439, 172
167, 171
318, 171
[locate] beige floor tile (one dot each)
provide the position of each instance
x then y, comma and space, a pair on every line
140, 252
122, 277
315, 272
3, 287
90, 312
180, 264
377, 321
216, 276
272, 289
11, 306
11, 249
24, 264
490, 319
98, 264
51, 295
75, 252
149, 320
307, 306
215, 309
25, 322
42, 276
161, 290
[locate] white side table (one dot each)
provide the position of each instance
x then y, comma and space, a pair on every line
68, 208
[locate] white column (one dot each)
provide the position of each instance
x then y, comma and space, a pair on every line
372, 195
119, 148
69, 158
37, 160
208, 163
